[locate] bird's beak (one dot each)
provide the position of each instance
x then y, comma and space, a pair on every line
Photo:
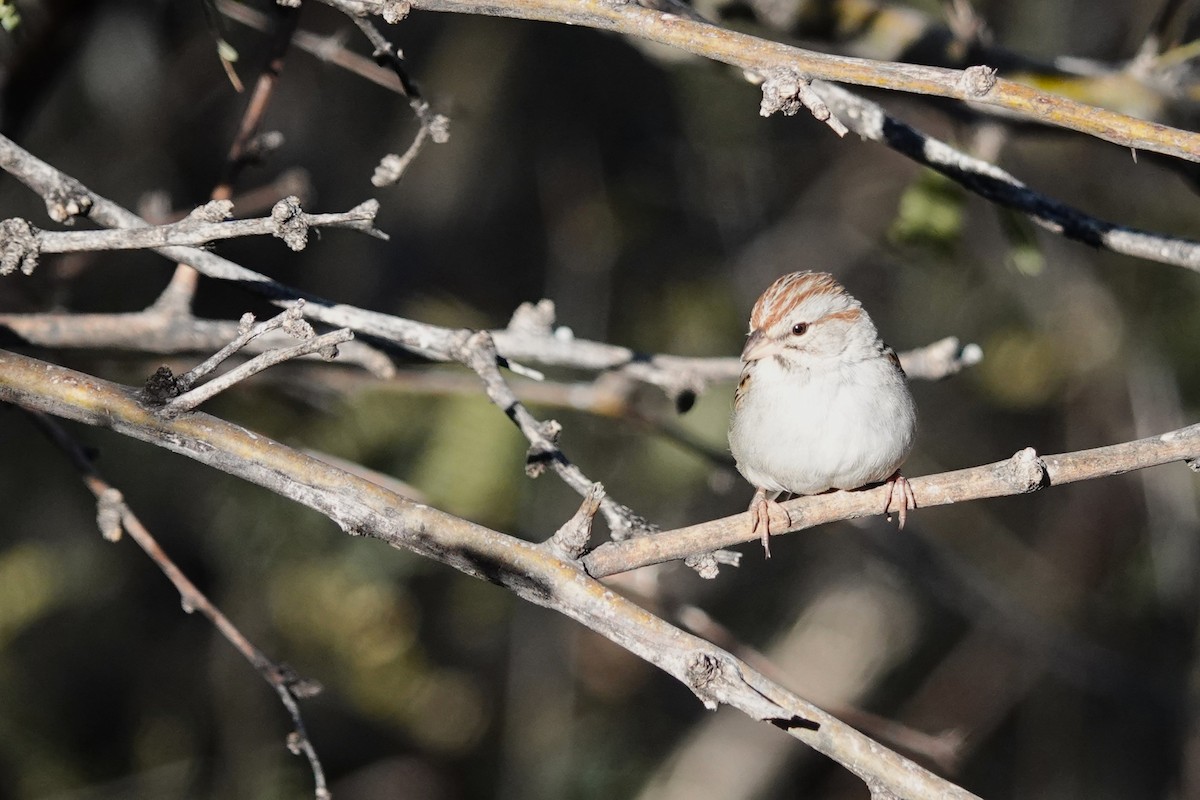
758, 347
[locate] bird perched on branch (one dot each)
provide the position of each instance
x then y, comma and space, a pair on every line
822, 402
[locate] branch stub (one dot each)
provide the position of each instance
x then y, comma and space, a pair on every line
110, 509
161, 386
788, 91
289, 222
68, 199
977, 81
1026, 471
703, 669
19, 247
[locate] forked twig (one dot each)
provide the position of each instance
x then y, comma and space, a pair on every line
185, 395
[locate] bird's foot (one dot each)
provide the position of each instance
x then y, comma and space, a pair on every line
898, 484
760, 513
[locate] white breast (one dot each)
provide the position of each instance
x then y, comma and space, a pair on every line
809, 431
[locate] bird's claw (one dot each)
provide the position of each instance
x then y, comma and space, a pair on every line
908, 501
760, 515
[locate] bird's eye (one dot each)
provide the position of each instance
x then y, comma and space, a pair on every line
800, 328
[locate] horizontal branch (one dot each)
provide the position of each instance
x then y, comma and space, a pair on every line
1023, 473
66, 198
165, 333
162, 332
22, 243
531, 571
976, 85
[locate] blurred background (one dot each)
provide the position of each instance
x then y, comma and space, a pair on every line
1036, 647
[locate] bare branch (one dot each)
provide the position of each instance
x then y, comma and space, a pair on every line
676, 375
529, 570
114, 516
939, 360
392, 11
1024, 472
763, 57
433, 126
155, 331
247, 332
392, 167
477, 351
481, 354
327, 48
164, 331
870, 121
247, 146
527, 340
325, 344
22, 243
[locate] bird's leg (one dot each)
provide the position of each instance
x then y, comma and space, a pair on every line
907, 502
760, 514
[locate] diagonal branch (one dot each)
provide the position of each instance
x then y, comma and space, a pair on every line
870, 121
325, 344
330, 48
531, 571
432, 125
478, 353
976, 85
114, 517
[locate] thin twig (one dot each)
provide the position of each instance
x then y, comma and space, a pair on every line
433, 126
477, 352
245, 148
788, 91
66, 198
392, 167
246, 145
114, 516
327, 48
571, 539
163, 332
291, 320
326, 345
